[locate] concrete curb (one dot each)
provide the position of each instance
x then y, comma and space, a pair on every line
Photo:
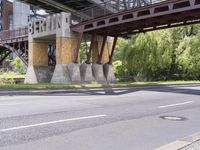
182, 143
108, 90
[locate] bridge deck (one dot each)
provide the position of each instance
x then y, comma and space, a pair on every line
156, 16
57, 6
13, 36
89, 9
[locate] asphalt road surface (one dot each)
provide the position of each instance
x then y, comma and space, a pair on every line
115, 119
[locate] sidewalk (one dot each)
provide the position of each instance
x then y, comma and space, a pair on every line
193, 146
191, 142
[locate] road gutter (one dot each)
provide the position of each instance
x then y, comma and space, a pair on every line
88, 89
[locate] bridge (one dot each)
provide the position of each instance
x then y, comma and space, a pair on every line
94, 21
15, 41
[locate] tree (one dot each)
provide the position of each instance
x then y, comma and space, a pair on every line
168, 54
18, 65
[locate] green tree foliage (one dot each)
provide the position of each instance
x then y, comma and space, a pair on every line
83, 50
18, 65
169, 54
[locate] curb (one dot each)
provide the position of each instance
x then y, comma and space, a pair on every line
182, 143
106, 89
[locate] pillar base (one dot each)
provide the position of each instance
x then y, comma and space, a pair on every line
98, 73
86, 73
66, 74
39, 74
61, 75
74, 72
109, 73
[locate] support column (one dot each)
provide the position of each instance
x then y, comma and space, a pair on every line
102, 70
98, 58
97, 50
66, 72
108, 68
86, 68
38, 54
65, 47
38, 70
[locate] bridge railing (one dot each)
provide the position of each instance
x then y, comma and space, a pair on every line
13, 34
110, 7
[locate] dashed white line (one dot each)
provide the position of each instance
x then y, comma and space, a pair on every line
177, 104
51, 122
9, 104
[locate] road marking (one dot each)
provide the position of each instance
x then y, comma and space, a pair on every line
52, 122
177, 104
10, 104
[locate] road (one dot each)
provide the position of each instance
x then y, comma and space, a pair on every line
115, 119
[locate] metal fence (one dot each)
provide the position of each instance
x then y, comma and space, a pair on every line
13, 34
110, 7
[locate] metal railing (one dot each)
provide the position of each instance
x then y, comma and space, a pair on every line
98, 10
110, 7
14, 34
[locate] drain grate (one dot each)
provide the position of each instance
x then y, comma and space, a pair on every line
173, 118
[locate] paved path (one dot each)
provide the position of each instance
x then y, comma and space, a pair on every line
193, 146
128, 119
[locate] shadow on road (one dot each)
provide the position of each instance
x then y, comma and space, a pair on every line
163, 88
179, 89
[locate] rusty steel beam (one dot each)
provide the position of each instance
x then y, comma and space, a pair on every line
113, 49
88, 61
5, 56
102, 49
12, 49
161, 27
76, 51
157, 23
150, 12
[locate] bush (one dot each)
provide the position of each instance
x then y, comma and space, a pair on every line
7, 81
18, 65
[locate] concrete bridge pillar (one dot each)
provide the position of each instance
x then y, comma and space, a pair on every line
65, 71
96, 50
56, 28
38, 70
101, 51
38, 53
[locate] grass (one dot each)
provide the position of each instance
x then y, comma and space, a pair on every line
92, 85
11, 75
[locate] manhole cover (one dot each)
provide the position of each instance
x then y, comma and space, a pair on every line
173, 118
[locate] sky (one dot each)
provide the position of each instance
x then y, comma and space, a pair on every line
42, 12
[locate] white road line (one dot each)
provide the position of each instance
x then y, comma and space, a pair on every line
10, 104
51, 122
177, 104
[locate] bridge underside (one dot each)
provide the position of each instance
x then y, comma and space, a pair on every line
56, 6
156, 16
154, 23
